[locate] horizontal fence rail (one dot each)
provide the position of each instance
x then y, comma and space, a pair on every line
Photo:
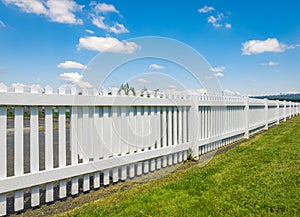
55, 145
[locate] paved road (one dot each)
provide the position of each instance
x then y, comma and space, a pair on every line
10, 162
10, 123
10, 151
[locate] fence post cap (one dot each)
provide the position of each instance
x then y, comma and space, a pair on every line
19, 88
104, 92
34, 88
48, 89
62, 90
3, 87
95, 92
122, 93
85, 92
130, 93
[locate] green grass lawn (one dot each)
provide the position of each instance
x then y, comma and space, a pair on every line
258, 178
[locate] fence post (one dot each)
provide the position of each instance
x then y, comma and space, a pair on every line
49, 146
74, 142
293, 109
247, 111
266, 114
284, 111
19, 148
290, 110
34, 147
62, 150
193, 126
278, 112
3, 149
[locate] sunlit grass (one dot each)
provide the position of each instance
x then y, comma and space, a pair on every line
258, 178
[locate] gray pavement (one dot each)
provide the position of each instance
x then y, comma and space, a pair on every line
10, 151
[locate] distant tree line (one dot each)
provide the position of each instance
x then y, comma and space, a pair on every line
281, 97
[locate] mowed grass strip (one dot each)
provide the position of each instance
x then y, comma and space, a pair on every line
258, 178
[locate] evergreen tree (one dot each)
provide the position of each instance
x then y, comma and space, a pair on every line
126, 88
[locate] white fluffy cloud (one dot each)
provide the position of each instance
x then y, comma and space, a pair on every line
216, 21
99, 22
206, 9
28, 6
228, 25
217, 69
62, 11
108, 44
217, 25
71, 76
219, 74
156, 66
117, 28
2, 24
211, 19
71, 65
105, 8
260, 46
98, 15
74, 78
89, 31
270, 63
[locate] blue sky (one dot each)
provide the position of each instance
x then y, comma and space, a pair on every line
252, 46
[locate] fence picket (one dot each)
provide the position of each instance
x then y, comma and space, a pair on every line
85, 145
34, 147
107, 130
19, 149
3, 155
74, 147
90, 133
124, 130
131, 139
34, 152
115, 140
62, 148
153, 125
139, 141
184, 122
164, 133
124, 127
175, 134
106, 177
170, 135
49, 146
49, 150
97, 143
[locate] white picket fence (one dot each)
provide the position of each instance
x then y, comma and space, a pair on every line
61, 144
